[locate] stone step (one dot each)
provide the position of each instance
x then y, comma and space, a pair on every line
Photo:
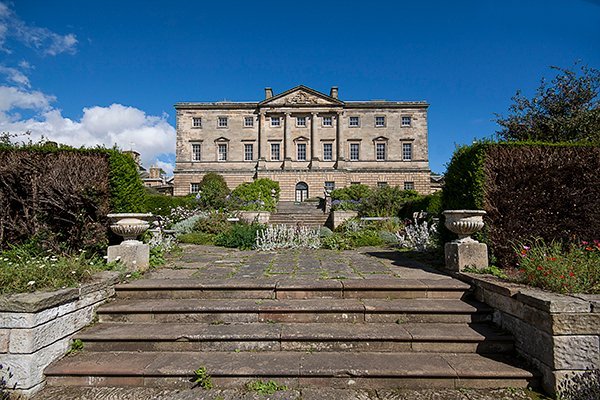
294, 369
309, 310
453, 338
293, 289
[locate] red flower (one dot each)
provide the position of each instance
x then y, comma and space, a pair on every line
540, 268
562, 277
571, 274
552, 259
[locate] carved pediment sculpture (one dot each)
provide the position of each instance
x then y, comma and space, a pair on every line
301, 98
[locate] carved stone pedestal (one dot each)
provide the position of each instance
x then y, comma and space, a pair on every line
135, 256
462, 255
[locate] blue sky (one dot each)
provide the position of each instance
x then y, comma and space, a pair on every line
110, 71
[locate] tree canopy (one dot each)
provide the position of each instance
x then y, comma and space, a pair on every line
567, 109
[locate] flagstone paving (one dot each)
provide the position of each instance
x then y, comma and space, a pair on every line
102, 393
321, 319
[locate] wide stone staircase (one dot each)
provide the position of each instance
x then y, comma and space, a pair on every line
356, 333
306, 213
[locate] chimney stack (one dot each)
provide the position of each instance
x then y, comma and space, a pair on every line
268, 93
154, 172
333, 92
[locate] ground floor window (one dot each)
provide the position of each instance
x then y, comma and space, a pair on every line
194, 187
382, 184
329, 185
409, 186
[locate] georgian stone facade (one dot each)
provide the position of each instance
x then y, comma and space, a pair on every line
305, 140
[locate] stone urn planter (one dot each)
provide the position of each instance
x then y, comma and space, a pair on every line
131, 252
465, 252
129, 226
464, 223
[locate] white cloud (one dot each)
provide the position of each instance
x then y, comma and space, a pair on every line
42, 40
127, 127
15, 76
12, 98
165, 166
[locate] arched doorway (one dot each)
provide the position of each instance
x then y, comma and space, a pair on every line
301, 192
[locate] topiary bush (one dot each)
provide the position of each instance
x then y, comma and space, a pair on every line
213, 192
255, 195
352, 192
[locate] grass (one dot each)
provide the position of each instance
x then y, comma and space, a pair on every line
26, 269
202, 379
265, 388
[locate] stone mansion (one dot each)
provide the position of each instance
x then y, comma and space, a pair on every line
305, 140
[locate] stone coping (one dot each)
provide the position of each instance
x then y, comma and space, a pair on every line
39, 301
537, 298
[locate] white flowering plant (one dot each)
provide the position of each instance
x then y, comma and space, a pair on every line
287, 237
419, 236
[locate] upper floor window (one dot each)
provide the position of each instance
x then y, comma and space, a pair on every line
196, 152
406, 121
222, 152
354, 121
248, 122
327, 121
327, 152
407, 151
275, 152
194, 187
409, 186
197, 122
301, 151
275, 121
248, 152
354, 151
379, 121
222, 122
300, 121
380, 151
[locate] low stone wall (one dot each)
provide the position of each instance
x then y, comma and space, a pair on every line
262, 217
557, 334
339, 217
36, 328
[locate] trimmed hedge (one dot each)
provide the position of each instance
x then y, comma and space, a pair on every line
256, 195
431, 204
59, 196
529, 190
160, 204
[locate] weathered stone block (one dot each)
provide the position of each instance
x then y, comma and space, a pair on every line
135, 256
339, 217
34, 302
576, 324
462, 255
262, 217
552, 302
25, 341
576, 352
4, 337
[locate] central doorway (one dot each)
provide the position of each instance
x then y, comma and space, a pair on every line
301, 192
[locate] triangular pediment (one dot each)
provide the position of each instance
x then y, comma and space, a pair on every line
221, 139
301, 96
301, 139
380, 139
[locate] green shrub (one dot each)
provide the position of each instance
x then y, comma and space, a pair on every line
127, 191
255, 195
196, 238
386, 201
159, 204
529, 190
336, 241
388, 237
325, 232
431, 204
213, 192
365, 237
215, 223
239, 235
352, 192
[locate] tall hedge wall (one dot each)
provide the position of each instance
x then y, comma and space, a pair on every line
60, 196
529, 190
